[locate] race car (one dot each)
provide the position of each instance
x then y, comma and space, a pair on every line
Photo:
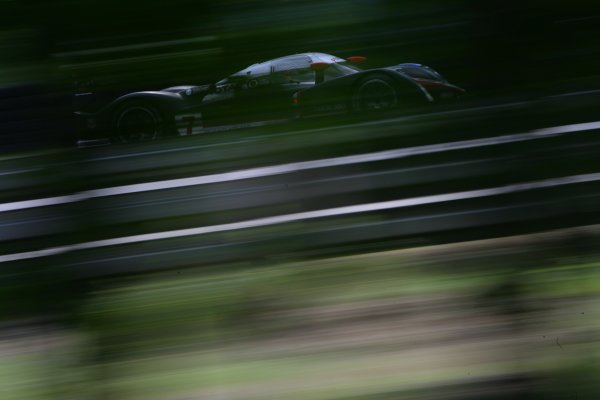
293, 86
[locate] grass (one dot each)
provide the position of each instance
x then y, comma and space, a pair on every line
322, 329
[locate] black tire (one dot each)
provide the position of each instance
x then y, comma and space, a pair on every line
138, 122
375, 93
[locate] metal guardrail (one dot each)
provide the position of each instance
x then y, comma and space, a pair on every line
208, 200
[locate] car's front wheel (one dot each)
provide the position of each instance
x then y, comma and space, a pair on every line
138, 122
376, 93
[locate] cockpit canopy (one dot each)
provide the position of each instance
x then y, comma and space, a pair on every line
296, 67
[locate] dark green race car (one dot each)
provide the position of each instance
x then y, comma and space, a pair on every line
302, 85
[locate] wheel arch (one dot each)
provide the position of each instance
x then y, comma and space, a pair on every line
405, 85
166, 102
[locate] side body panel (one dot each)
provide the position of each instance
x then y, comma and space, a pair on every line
336, 95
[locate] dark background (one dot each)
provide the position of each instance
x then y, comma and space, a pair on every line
492, 46
494, 49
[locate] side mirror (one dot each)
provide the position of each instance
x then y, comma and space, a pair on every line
356, 59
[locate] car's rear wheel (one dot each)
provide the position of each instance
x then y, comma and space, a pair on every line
376, 93
138, 122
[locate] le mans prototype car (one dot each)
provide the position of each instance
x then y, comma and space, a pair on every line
297, 85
